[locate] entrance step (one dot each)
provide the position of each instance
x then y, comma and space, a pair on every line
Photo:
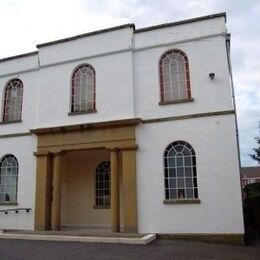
135, 239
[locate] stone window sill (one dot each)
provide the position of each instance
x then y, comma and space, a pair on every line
82, 112
8, 203
182, 201
179, 101
101, 207
10, 122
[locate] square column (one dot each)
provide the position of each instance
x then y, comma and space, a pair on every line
56, 192
43, 192
115, 191
129, 189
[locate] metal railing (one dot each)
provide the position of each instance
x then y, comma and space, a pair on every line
16, 210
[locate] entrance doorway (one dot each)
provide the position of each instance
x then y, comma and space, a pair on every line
86, 189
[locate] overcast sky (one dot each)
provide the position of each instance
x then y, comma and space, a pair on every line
25, 23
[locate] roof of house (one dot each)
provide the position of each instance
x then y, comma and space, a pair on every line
130, 25
250, 172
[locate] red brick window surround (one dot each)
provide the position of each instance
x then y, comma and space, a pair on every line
12, 103
174, 76
83, 84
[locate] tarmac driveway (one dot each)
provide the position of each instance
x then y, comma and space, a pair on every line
160, 249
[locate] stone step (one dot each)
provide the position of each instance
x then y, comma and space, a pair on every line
144, 240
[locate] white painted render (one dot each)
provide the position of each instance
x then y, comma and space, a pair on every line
22, 148
214, 142
127, 86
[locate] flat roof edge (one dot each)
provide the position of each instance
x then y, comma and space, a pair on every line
19, 56
131, 25
196, 19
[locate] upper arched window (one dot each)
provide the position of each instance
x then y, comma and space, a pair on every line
180, 171
83, 89
8, 178
13, 99
103, 184
174, 76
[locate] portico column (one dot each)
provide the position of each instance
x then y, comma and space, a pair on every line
115, 191
43, 192
56, 192
129, 189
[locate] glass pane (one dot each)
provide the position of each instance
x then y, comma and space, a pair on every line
180, 161
173, 193
106, 185
180, 172
172, 153
181, 193
189, 193
172, 183
172, 172
180, 183
171, 162
189, 182
187, 161
188, 171
178, 148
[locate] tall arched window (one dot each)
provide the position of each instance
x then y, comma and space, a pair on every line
174, 76
83, 89
103, 184
180, 171
13, 99
8, 178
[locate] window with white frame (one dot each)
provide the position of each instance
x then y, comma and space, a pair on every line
8, 178
180, 171
83, 89
12, 103
103, 184
174, 76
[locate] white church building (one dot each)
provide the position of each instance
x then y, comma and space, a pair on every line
123, 128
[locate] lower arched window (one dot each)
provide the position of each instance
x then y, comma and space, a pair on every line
180, 171
8, 178
103, 184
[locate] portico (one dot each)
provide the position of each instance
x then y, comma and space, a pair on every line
118, 139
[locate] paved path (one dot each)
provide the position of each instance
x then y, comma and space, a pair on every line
161, 249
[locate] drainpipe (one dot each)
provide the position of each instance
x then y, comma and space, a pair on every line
236, 124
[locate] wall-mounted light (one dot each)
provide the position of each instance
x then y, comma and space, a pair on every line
212, 75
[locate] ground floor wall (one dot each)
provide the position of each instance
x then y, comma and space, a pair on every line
220, 208
22, 148
214, 141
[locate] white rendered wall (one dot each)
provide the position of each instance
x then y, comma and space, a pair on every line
90, 46
114, 91
214, 142
22, 148
13, 66
205, 56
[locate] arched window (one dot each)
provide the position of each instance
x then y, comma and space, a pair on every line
174, 76
83, 89
13, 99
180, 171
8, 178
103, 184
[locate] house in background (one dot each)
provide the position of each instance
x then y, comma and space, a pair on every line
123, 128
250, 175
